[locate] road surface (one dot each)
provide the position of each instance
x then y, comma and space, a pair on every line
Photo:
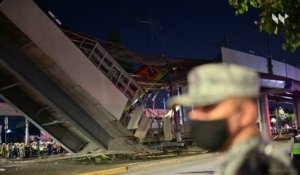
204, 164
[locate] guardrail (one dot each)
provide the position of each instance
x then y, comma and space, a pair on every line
107, 65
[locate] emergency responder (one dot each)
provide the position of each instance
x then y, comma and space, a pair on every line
224, 112
295, 149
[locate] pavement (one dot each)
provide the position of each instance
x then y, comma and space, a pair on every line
201, 163
204, 164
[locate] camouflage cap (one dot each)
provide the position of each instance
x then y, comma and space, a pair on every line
211, 83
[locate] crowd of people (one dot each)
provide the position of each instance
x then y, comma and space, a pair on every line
31, 150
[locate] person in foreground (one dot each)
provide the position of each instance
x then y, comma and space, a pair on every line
224, 112
295, 149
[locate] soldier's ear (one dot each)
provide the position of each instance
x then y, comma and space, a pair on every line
248, 112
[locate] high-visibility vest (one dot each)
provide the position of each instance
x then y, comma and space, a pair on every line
296, 146
41, 148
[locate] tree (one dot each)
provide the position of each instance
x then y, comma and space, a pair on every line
287, 23
115, 37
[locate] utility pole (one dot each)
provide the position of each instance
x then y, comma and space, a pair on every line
154, 27
269, 56
154, 24
177, 132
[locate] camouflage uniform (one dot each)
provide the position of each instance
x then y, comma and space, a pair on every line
211, 84
255, 156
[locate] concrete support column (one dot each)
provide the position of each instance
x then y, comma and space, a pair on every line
259, 120
297, 111
264, 115
26, 131
267, 115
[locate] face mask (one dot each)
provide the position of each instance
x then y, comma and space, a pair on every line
210, 135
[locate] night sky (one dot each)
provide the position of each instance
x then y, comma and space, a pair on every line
182, 29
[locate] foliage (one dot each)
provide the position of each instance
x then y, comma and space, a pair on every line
291, 117
290, 29
114, 37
